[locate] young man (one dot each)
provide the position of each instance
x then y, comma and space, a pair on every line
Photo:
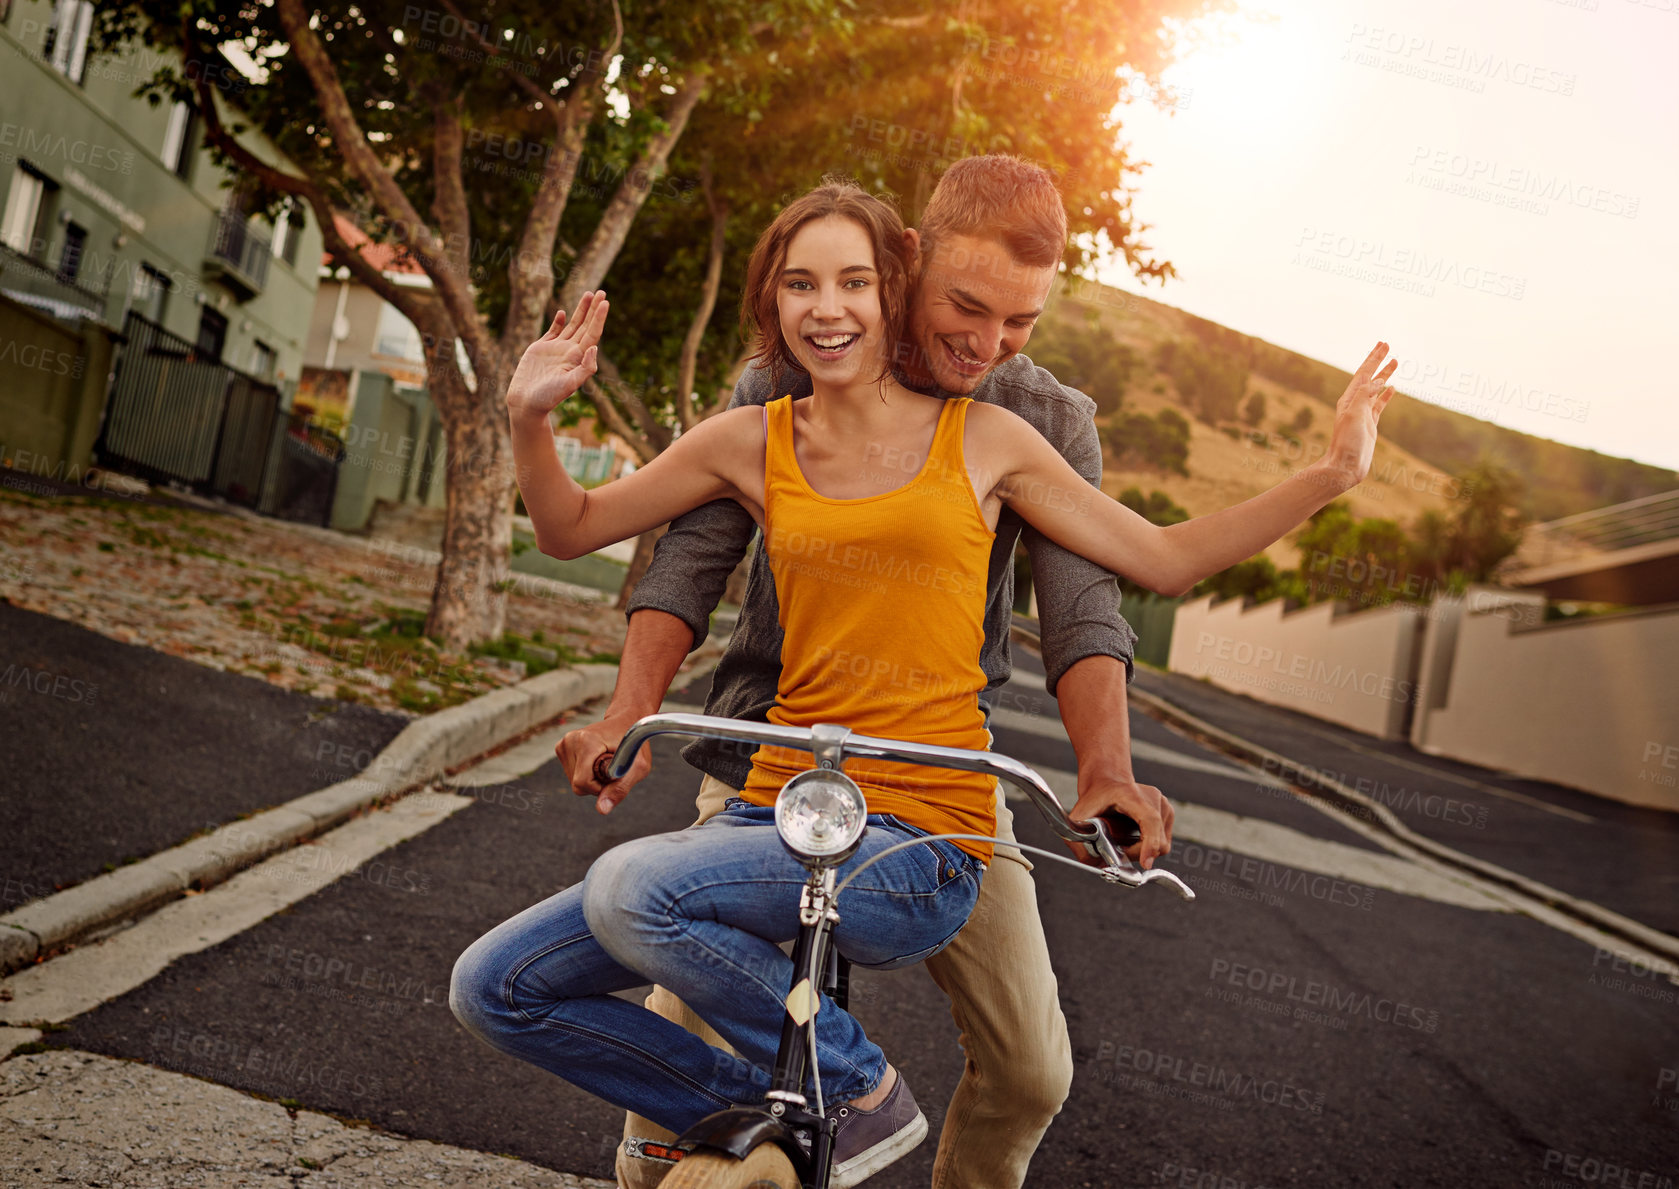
989, 244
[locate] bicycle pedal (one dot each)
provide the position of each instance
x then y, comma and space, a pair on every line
648, 1149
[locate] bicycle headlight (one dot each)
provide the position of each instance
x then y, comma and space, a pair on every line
820, 815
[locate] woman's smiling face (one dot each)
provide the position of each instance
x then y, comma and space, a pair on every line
828, 299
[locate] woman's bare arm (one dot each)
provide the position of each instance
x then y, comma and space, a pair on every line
1039, 484
709, 462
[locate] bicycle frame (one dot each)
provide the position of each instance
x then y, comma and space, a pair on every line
738, 1131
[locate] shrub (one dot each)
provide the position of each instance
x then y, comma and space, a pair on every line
1161, 441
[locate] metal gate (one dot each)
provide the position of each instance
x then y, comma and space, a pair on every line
178, 415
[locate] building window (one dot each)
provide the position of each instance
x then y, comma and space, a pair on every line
396, 336
26, 211
70, 257
177, 139
288, 232
262, 360
212, 333
66, 43
151, 293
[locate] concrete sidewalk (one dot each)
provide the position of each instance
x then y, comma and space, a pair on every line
73, 1118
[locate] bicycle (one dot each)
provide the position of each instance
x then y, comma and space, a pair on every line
820, 816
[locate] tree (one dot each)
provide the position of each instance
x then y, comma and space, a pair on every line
686, 123
1366, 562
1254, 411
1486, 529
1160, 441
1088, 357
1210, 383
1156, 508
1256, 578
1303, 419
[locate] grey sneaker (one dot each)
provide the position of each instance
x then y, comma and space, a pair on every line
867, 1141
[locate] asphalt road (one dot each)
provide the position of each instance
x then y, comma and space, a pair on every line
114, 751
1271, 1033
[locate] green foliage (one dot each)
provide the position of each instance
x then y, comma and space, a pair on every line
794, 89
1254, 411
1342, 557
1256, 579
1209, 384
1374, 562
1160, 441
1487, 528
1156, 508
1087, 357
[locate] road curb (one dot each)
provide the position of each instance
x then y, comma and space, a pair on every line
426, 748
1376, 814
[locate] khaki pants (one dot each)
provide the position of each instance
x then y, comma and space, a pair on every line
1004, 1000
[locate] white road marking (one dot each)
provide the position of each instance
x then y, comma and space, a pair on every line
1142, 749
1278, 847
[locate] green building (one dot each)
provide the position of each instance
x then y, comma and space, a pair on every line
115, 223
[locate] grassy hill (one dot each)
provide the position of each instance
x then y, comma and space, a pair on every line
1422, 445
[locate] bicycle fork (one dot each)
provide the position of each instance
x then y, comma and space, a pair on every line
786, 1118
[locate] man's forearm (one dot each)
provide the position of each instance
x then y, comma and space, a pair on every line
1091, 695
1206, 545
654, 647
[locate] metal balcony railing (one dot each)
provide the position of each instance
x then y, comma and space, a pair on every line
1603, 530
238, 253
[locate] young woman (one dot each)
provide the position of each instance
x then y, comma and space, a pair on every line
878, 506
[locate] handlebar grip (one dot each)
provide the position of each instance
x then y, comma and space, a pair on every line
1124, 830
603, 767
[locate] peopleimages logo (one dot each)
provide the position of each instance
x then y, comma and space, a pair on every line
1315, 670
1309, 993
58, 685
1140, 1068
1266, 874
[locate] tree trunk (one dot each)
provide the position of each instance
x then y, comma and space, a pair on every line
469, 601
639, 563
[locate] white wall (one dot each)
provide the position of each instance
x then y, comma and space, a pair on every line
1593, 704
1356, 669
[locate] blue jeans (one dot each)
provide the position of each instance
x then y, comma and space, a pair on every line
702, 912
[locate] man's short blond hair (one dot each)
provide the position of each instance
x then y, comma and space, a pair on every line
999, 197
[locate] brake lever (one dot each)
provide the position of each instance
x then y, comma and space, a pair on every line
1114, 832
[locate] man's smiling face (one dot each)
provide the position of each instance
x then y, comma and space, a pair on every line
973, 307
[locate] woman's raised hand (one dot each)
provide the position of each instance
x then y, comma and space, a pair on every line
558, 363
1352, 443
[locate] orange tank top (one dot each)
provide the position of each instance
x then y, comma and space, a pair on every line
882, 604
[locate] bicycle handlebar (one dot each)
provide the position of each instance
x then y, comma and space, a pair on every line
831, 744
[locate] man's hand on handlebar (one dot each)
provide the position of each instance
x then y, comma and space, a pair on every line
580, 749
1143, 803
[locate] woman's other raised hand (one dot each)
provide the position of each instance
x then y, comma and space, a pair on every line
1352, 443
558, 363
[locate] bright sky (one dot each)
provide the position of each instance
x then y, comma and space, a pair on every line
1491, 187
